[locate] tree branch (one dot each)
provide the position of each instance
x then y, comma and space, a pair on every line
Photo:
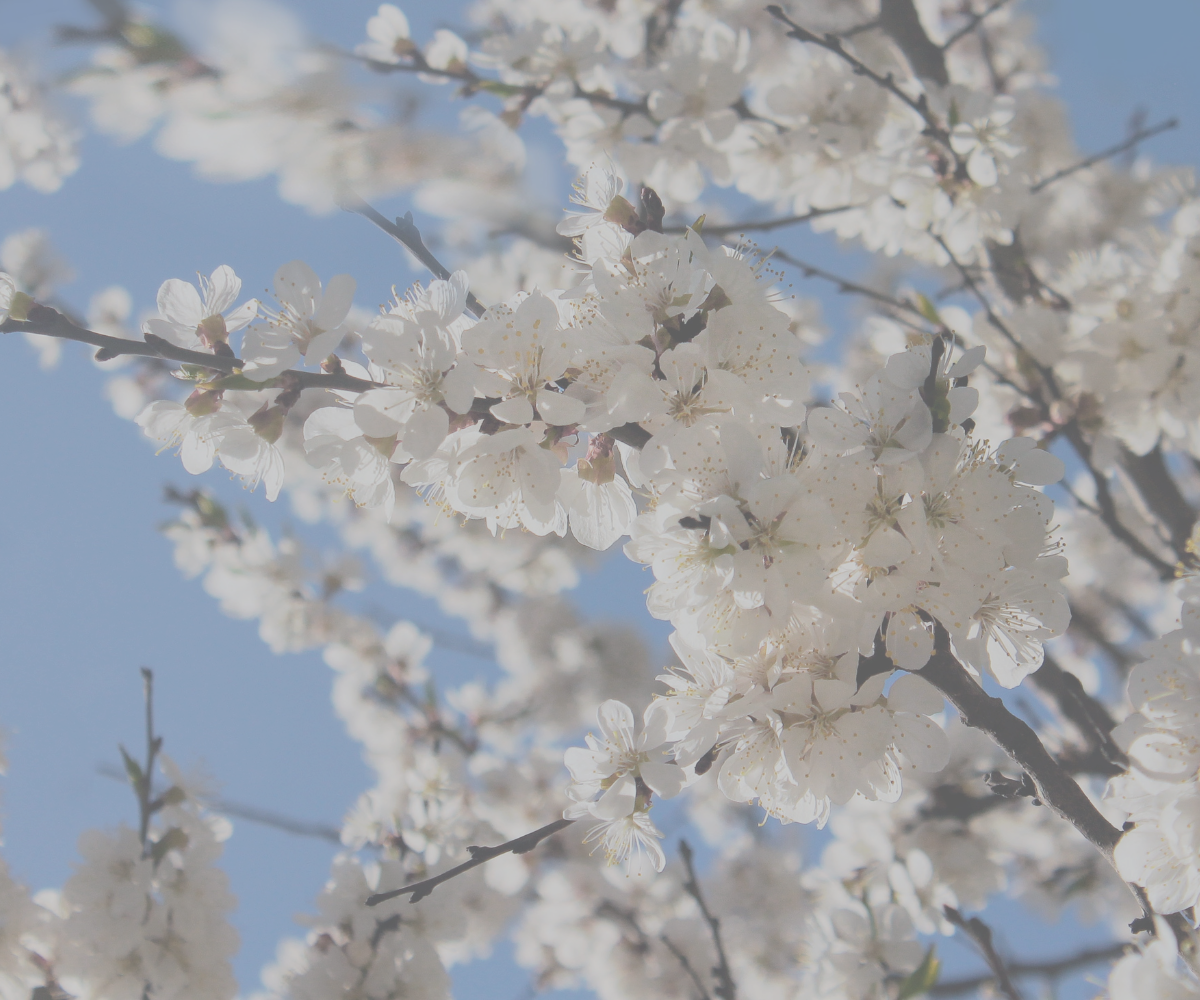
847, 287
51, 323
1160, 492
1055, 787
725, 989
687, 966
981, 934
831, 43
1106, 507
479, 855
1048, 969
724, 229
899, 20
405, 232
1139, 136
1081, 709
973, 23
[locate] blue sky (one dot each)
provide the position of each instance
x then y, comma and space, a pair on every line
88, 592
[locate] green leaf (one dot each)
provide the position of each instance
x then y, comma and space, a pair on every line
133, 769
173, 840
173, 796
922, 978
698, 225
929, 310
500, 89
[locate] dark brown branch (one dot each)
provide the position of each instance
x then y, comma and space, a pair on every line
973, 22
51, 323
831, 43
479, 855
1082, 710
898, 19
724, 229
1055, 787
981, 934
1162, 495
1106, 507
1086, 625
682, 959
405, 232
847, 287
1141, 135
252, 814
1048, 970
725, 988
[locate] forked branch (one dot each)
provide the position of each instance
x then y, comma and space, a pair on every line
981, 934
725, 988
479, 855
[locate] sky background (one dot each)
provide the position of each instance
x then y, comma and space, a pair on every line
88, 591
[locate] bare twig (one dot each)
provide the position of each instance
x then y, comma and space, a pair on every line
981, 934
831, 43
972, 23
1161, 494
1106, 507
847, 287
1084, 712
687, 967
725, 988
479, 855
1139, 136
153, 745
51, 323
252, 814
899, 20
1049, 970
748, 226
405, 232
1055, 786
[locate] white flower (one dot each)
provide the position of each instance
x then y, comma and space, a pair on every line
617, 755
308, 324
630, 837
190, 321
389, 34
982, 137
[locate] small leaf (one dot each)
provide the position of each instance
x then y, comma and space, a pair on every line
173, 796
173, 840
922, 978
500, 89
698, 225
133, 769
928, 310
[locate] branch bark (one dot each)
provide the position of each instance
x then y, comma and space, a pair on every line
981, 934
725, 988
479, 855
1139, 136
1049, 970
51, 323
405, 232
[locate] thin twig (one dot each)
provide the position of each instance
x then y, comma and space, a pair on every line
479, 855
1055, 786
831, 43
253, 814
1049, 970
725, 988
51, 323
1106, 507
1139, 136
405, 232
724, 229
974, 22
981, 934
153, 745
847, 287
687, 966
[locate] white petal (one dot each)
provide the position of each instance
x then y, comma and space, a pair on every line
336, 303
